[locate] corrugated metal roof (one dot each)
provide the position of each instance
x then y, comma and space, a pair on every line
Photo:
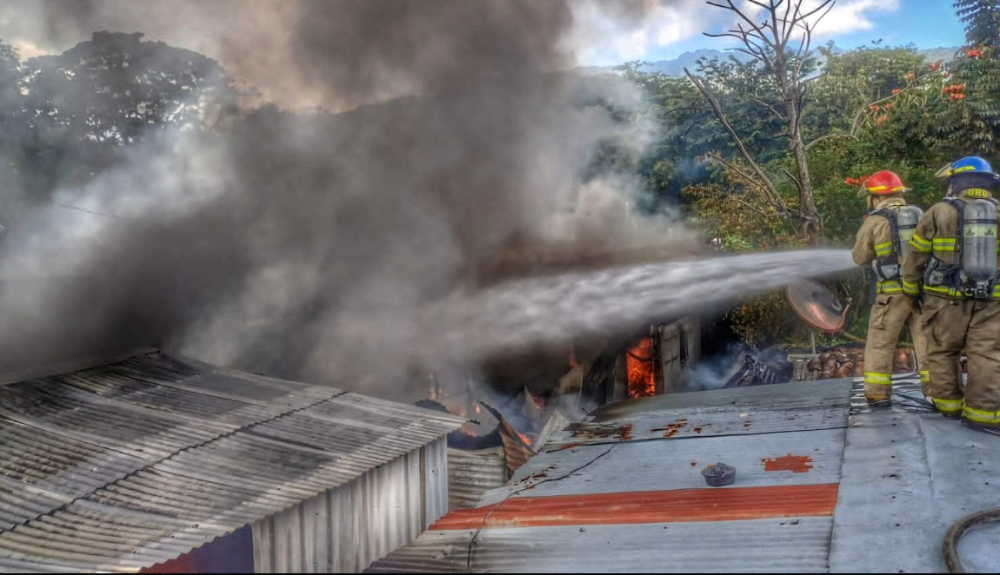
473, 473
765, 409
344, 530
132, 464
655, 465
907, 396
762, 546
804, 395
907, 477
623, 490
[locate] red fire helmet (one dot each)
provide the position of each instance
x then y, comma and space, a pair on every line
885, 183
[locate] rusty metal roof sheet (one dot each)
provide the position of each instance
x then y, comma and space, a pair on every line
132, 464
806, 499
761, 546
808, 457
726, 412
623, 491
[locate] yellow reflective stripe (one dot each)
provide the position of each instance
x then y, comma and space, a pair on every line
996, 292
876, 378
920, 244
980, 416
883, 249
963, 169
950, 292
888, 288
911, 288
925, 376
878, 188
949, 405
944, 244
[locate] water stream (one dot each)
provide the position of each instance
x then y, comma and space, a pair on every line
524, 313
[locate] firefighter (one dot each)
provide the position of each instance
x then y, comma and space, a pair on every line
954, 272
882, 244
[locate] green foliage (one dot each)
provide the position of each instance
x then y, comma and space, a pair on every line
970, 110
10, 131
982, 22
65, 117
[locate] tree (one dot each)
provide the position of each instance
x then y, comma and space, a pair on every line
971, 121
83, 106
982, 22
782, 45
115, 87
11, 130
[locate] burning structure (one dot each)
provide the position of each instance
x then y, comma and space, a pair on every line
623, 491
506, 424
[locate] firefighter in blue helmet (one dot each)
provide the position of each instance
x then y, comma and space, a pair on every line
954, 269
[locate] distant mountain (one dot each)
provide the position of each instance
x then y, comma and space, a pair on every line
943, 54
675, 67
689, 60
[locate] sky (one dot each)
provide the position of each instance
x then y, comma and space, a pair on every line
677, 26
602, 37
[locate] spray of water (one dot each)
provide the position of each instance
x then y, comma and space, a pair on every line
515, 316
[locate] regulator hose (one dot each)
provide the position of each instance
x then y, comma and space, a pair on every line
955, 533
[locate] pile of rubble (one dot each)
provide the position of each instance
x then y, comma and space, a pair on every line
844, 363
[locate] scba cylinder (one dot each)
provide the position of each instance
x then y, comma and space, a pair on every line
979, 242
906, 220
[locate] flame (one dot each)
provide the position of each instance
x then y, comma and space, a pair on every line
525, 439
478, 409
641, 374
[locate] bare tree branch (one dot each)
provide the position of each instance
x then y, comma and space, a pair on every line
776, 201
772, 196
768, 42
714, 103
745, 204
796, 181
771, 107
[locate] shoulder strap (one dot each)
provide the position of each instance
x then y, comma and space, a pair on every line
959, 205
890, 216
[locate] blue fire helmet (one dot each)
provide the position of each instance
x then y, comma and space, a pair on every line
970, 165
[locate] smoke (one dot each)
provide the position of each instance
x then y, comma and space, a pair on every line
339, 53
715, 372
310, 245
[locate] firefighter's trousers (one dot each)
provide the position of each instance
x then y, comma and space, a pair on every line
954, 325
889, 314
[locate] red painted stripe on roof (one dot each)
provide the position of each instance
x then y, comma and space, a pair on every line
679, 506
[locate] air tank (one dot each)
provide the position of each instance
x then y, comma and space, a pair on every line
907, 219
979, 242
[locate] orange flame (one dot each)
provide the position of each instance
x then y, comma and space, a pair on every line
525, 439
641, 375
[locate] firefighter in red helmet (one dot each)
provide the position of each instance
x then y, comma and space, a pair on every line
882, 245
